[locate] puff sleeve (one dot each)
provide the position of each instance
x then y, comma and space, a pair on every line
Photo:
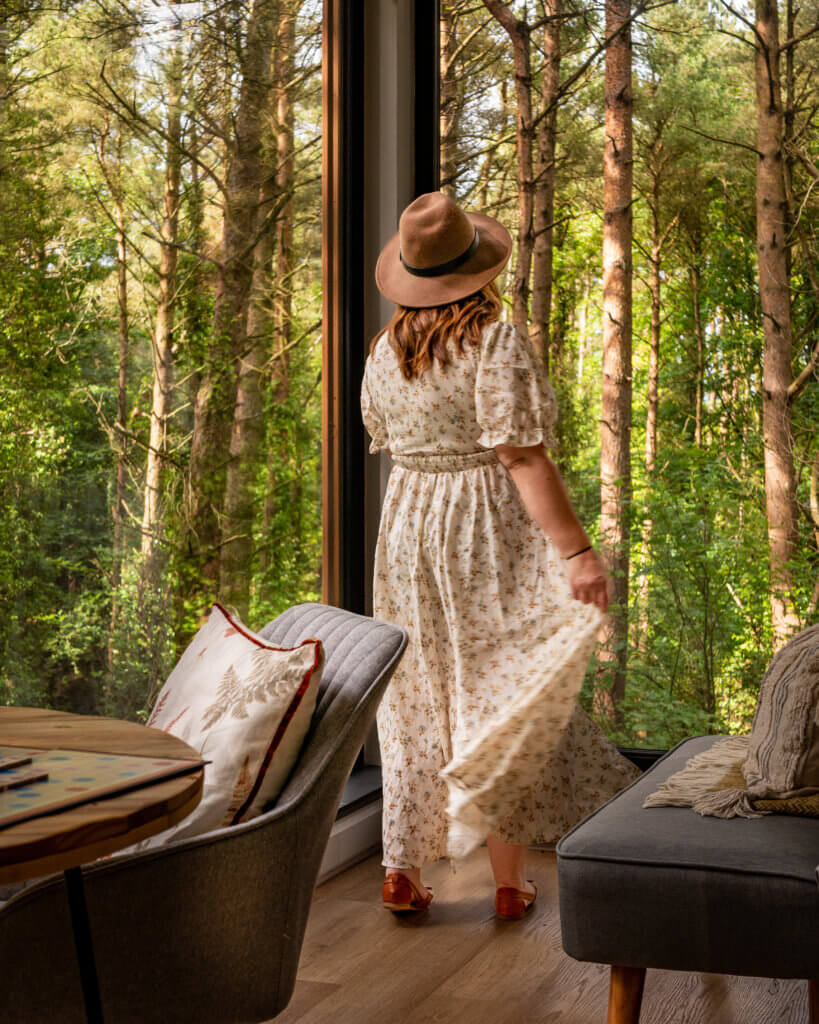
514, 401
373, 420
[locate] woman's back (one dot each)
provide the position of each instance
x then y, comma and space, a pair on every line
474, 402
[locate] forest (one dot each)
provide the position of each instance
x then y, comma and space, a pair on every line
657, 164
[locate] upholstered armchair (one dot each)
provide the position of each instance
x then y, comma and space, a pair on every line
209, 930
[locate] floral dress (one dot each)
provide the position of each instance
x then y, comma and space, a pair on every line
479, 728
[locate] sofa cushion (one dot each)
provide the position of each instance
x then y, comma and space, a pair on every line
245, 705
663, 887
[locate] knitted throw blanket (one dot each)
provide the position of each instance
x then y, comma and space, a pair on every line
776, 768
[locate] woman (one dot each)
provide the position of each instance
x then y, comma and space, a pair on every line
482, 559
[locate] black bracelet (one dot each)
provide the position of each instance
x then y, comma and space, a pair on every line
582, 551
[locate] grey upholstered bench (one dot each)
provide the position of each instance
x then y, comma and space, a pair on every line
663, 887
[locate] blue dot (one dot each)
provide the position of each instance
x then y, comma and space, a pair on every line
83, 778
126, 773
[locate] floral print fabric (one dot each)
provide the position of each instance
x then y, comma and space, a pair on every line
479, 729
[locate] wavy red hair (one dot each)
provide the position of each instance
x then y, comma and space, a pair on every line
419, 336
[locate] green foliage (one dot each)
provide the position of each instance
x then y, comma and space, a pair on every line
83, 629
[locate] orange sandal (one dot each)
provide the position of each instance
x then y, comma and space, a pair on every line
511, 904
400, 895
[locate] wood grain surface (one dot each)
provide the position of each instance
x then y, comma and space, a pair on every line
78, 836
456, 964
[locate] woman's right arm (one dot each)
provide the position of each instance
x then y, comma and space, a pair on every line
545, 498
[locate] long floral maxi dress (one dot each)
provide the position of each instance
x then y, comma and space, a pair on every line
479, 728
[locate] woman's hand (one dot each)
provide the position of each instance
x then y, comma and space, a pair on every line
588, 579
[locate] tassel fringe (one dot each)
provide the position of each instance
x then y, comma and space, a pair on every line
726, 803
701, 775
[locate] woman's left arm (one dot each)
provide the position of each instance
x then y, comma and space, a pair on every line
545, 498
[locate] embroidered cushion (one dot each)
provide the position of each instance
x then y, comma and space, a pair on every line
246, 706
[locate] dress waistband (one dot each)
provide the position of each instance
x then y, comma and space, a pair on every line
449, 462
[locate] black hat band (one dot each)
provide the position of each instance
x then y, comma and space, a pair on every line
443, 268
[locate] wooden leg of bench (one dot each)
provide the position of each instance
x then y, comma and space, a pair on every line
626, 995
813, 1002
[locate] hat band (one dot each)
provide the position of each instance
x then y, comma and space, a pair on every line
442, 268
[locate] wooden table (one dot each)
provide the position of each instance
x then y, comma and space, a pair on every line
68, 839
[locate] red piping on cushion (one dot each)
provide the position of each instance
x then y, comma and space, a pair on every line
277, 738
257, 639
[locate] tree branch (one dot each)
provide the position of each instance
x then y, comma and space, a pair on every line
642, 8
726, 142
798, 385
147, 127
795, 40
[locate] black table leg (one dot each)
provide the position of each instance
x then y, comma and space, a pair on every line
84, 945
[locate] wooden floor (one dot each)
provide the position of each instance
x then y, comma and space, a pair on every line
457, 964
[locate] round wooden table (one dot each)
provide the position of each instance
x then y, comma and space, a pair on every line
64, 840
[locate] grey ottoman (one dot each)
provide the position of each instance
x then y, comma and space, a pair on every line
664, 887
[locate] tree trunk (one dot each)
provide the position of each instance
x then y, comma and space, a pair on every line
788, 123
544, 198
615, 457
121, 483
122, 395
238, 547
450, 107
194, 292
774, 290
518, 32
653, 410
490, 161
4, 58
237, 551
654, 335
282, 319
153, 546
699, 335
583, 327
216, 397
814, 514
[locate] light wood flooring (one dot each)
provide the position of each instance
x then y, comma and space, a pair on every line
457, 964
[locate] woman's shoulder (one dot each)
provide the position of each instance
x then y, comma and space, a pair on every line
502, 338
375, 357
381, 348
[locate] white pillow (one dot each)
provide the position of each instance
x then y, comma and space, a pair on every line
246, 706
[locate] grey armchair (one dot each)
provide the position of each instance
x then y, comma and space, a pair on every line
209, 930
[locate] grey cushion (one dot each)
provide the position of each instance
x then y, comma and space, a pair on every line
209, 930
664, 887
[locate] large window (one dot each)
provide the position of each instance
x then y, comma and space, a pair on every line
704, 512
161, 303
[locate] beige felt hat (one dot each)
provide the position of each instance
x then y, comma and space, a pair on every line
440, 254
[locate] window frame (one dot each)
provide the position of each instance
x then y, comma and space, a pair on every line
345, 277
